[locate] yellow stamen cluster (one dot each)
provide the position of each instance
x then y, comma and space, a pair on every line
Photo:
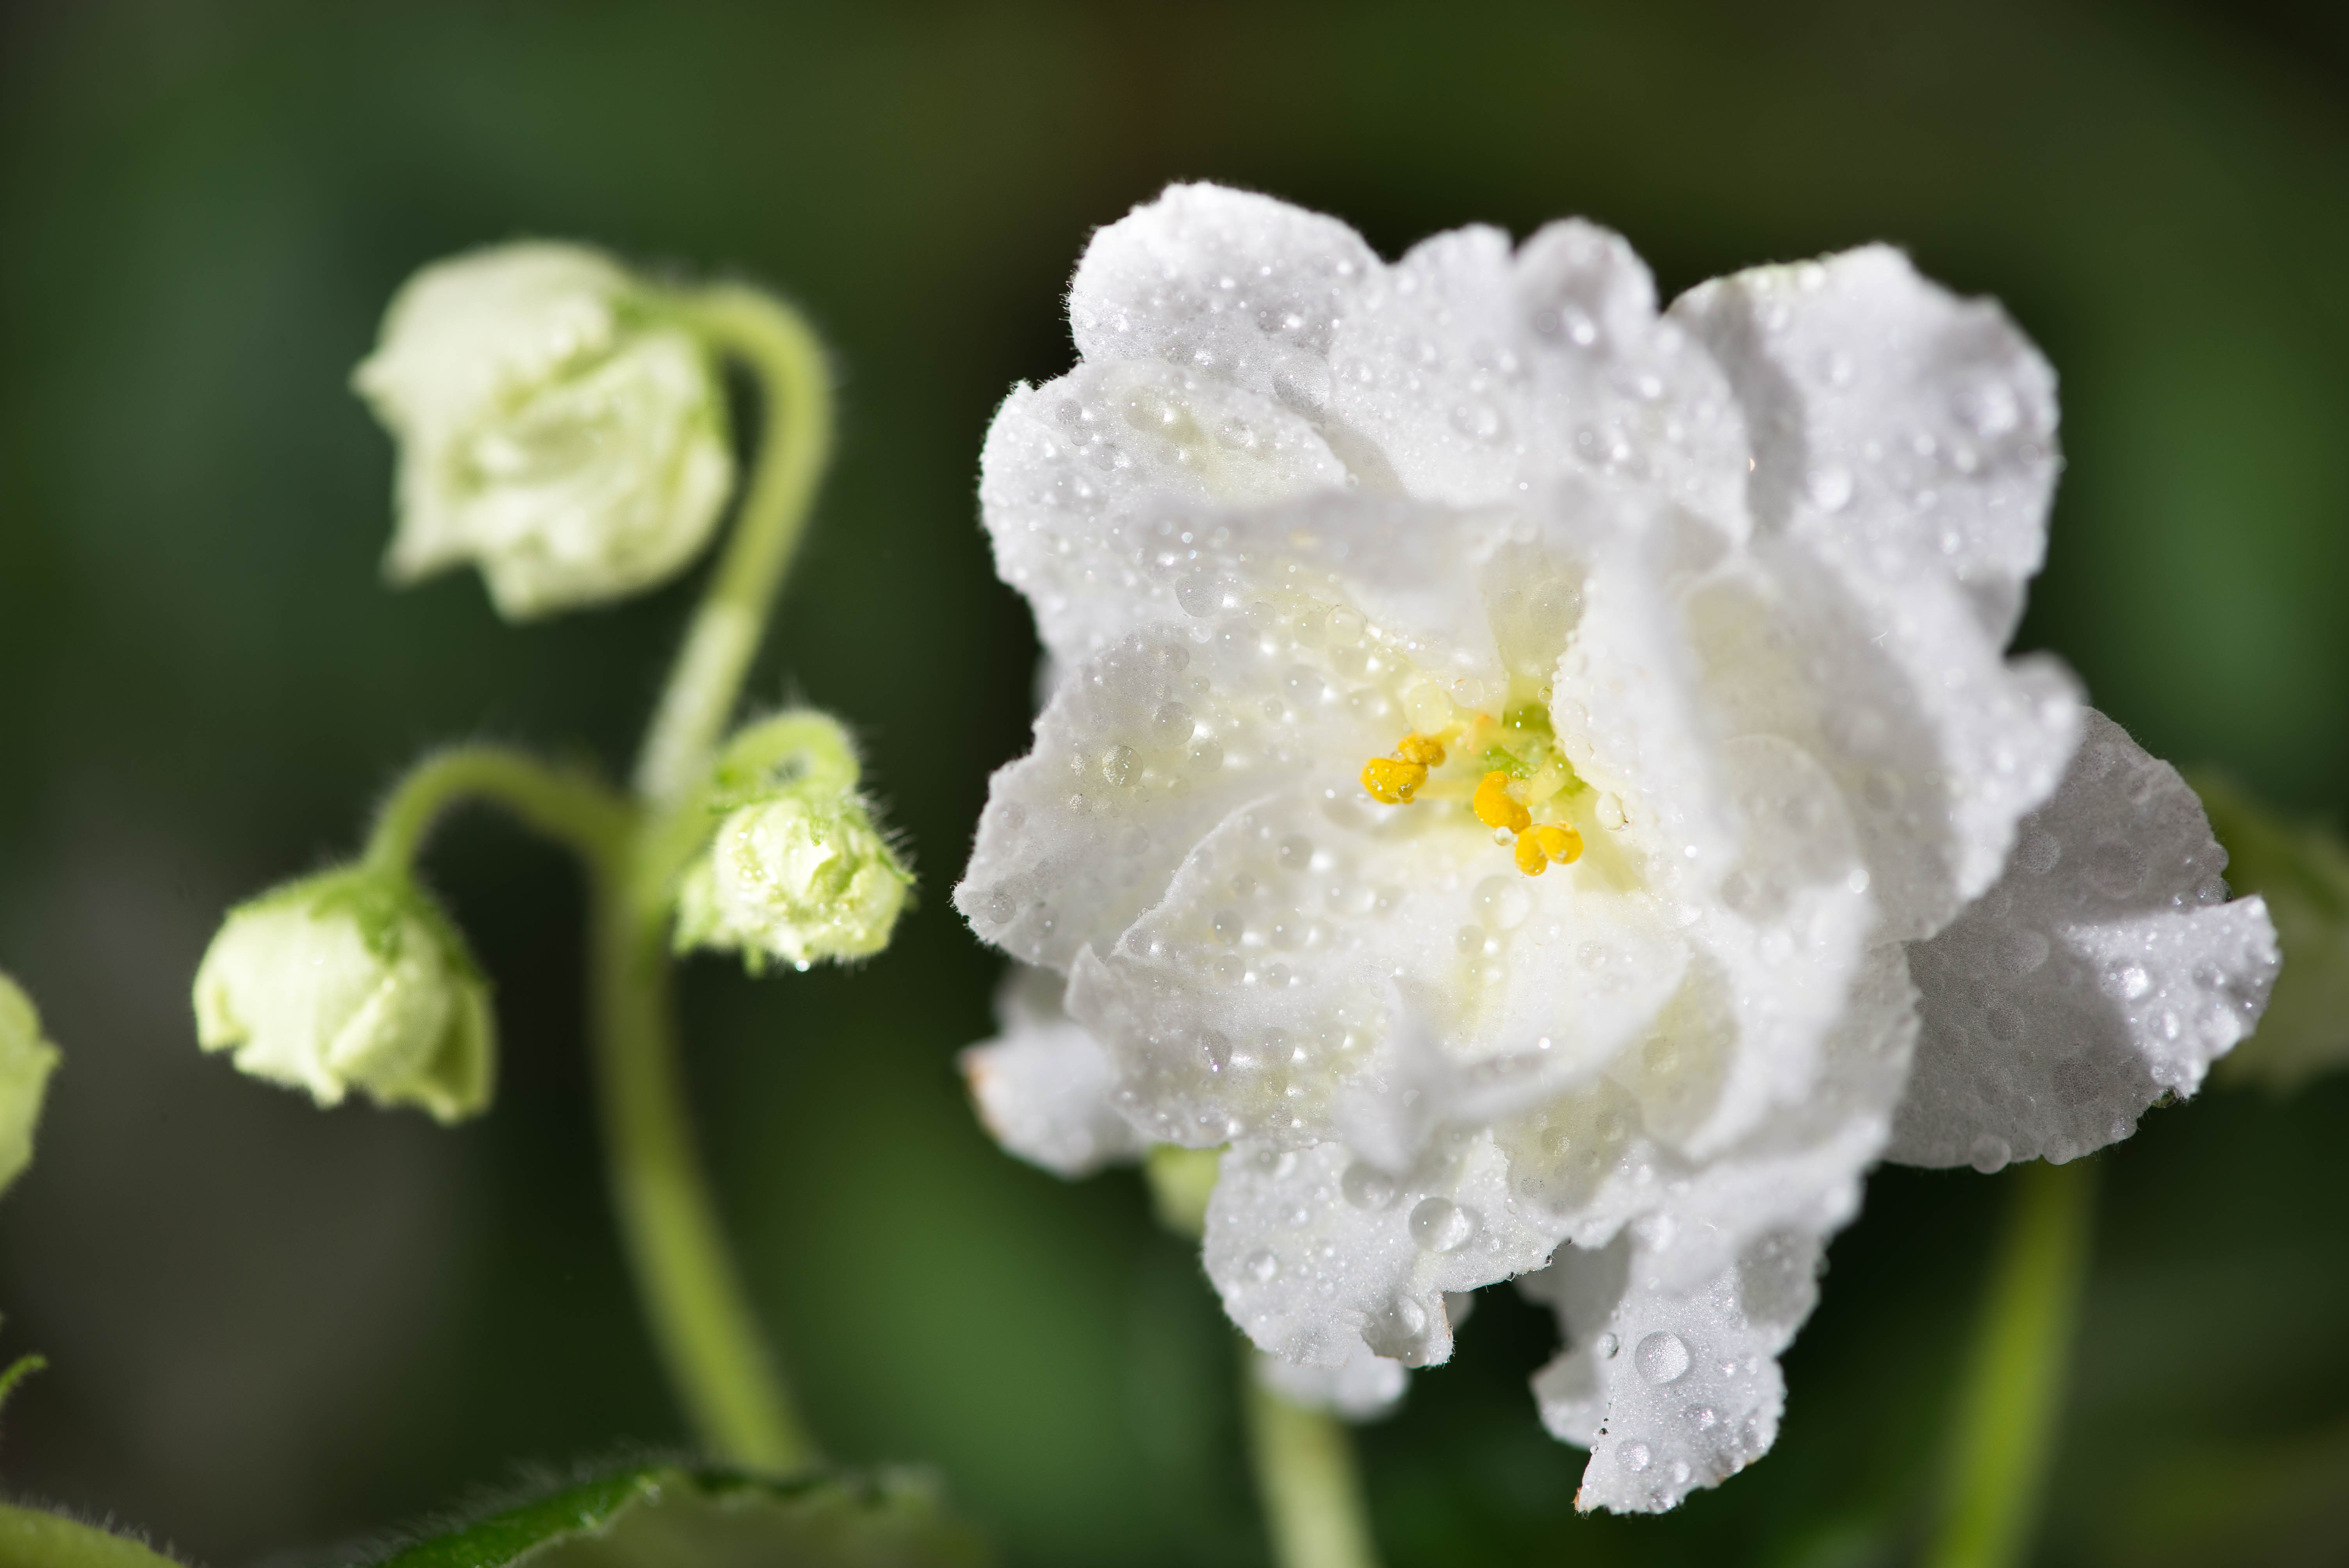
1396, 779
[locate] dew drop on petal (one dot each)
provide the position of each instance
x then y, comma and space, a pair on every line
1503, 902
1989, 1154
1439, 1225
1607, 1344
1262, 1266
1610, 811
1661, 1357
1367, 1186
1119, 765
1633, 1457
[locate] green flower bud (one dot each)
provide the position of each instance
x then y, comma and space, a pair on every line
803, 876
353, 979
26, 1060
551, 429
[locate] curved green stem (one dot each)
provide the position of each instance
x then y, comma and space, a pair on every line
1308, 1480
2016, 1378
693, 1299
795, 440
572, 808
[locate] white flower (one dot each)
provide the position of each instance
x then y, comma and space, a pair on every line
1526, 769
26, 1060
550, 428
350, 980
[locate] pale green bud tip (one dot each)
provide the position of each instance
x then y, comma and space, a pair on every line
552, 427
803, 876
351, 980
26, 1060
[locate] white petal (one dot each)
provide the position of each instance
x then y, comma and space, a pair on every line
1280, 989
1043, 1085
2102, 972
1670, 1389
1230, 284
1904, 452
1365, 1388
1093, 488
1317, 1255
1686, 1281
1475, 374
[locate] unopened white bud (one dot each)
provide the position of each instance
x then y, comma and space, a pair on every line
803, 876
351, 980
552, 427
26, 1060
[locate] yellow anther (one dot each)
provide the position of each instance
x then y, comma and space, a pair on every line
1530, 858
1393, 781
1423, 749
1494, 809
1561, 844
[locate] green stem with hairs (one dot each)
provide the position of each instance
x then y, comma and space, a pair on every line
795, 440
1307, 1479
691, 1292
2016, 1377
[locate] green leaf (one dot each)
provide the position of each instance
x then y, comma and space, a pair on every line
2302, 869
35, 1538
657, 1516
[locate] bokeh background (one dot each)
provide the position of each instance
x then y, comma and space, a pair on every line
271, 1329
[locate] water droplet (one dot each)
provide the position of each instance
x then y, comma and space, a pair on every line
2131, 980
1661, 1357
1503, 901
1829, 486
2039, 853
1305, 685
1345, 628
1701, 1417
1367, 1186
1297, 851
1173, 723
1439, 1225
1610, 811
1199, 594
1227, 926
1634, 1457
1119, 765
1607, 1344
1207, 754
1989, 1154
1468, 692
1262, 1266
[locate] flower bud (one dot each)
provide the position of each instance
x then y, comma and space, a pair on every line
353, 979
25, 1062
802, 875
550, 428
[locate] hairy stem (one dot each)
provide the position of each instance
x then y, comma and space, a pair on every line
572, 808
692, 1296
2017, 1377
1307, 1478
39, 1539
794, 441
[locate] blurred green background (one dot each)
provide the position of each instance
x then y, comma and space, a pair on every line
271, 1329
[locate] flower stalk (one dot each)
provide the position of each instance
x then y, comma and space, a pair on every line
1307, 1479
635, 846
2018, 1375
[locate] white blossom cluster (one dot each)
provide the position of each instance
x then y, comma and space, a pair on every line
1539, 779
